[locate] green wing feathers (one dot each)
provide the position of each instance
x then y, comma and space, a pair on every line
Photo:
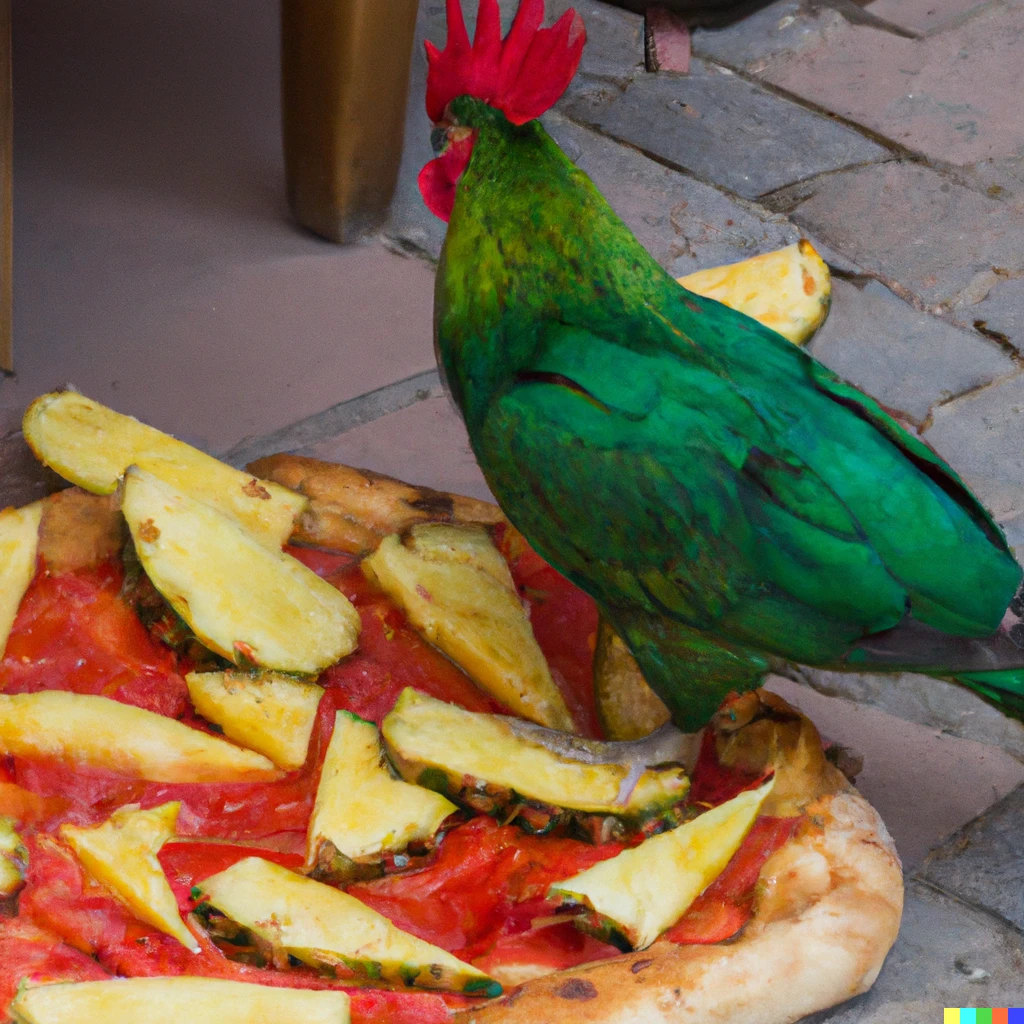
754, 506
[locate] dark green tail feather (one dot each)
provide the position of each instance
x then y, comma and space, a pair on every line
1004, 690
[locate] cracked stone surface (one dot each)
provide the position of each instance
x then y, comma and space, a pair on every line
775, 33
685, 224
933, 702
927, 16
983, 863
943, 944
911, 226
721, 128
1002, 309
980, 434
954, 96
906, 359
902, 757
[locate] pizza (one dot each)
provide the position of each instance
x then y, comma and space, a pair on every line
274, 746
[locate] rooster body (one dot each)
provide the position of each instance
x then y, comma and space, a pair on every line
729, 502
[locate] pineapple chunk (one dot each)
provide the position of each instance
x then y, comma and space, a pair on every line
91, 446
121, 854
174, 1001
443, 746
13, 858
98, 732
458, 593
19, 545
361, 811
628, 708
646, 889
263, 711
789, 290
324, 927
243, 601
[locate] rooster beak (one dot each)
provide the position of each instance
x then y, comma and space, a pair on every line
439, 138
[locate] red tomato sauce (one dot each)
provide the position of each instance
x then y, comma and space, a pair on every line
74, 632
39, 956
481, 894
466, 899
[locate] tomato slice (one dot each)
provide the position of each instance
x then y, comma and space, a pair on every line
392, 656
187, 864
74, 632
556, 947
712, 783
463, 898
323, 563
33, 954
727, 904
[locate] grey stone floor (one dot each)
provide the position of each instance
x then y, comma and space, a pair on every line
890, 133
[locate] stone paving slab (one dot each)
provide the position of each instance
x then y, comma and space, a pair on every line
1001, 310
910, 226
424, 444
776, 32
943, 944
954, 97
906, 774
927, 16
942, 705
983, 864
721, 128
685, 224
981, 436
906, 359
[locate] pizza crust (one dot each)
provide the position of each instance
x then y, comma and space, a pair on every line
823, 949
353, 510
828, 905
827, 910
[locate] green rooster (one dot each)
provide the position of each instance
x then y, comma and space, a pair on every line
729, 502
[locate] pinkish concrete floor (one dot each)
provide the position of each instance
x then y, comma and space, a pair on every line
952, 780
157, 270
155, 265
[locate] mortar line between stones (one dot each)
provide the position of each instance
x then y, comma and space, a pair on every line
1003, 378
663, 161
901, 152
338, 419
918, 877
856, 15
962, 19
768, 196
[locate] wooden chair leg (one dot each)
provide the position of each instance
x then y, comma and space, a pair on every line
6, 192
345, 81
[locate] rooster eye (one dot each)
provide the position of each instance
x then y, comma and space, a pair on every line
439, 139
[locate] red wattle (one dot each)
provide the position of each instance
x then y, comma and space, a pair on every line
440, 178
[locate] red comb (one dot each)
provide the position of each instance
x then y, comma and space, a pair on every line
522, 75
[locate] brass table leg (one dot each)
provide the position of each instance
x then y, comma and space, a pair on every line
345, 80
6, 192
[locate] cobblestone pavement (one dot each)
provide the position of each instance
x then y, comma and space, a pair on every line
893, 137
891, 134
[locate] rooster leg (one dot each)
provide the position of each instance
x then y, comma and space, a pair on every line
667, 745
